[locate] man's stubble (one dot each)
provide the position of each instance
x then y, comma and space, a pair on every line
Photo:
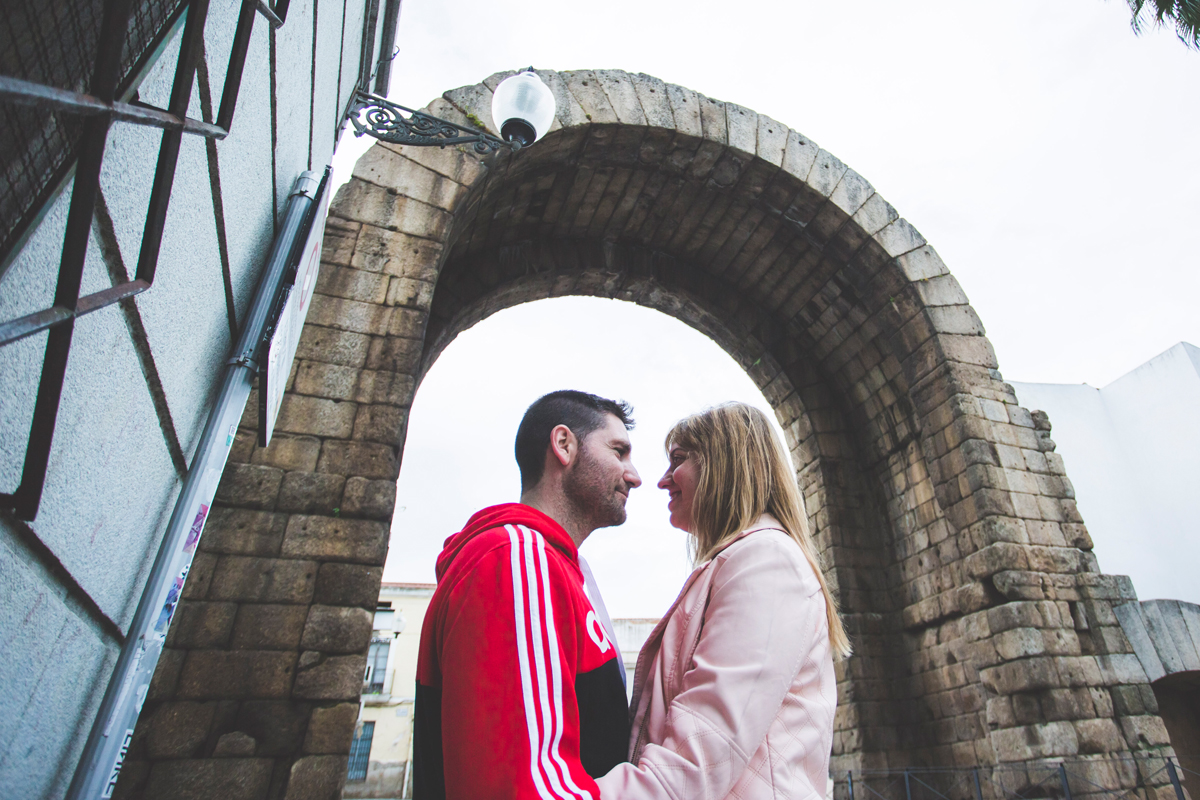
594, 496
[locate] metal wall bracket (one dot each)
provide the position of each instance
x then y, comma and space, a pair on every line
389, 122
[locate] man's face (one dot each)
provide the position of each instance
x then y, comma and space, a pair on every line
599, 481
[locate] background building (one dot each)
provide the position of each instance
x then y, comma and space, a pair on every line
381, 755
141, 374
1133, 452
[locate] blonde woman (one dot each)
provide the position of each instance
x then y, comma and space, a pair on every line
734, 692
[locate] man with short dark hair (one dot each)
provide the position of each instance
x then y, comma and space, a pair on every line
520, 685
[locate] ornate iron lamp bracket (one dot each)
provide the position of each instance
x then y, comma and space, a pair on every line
394, 123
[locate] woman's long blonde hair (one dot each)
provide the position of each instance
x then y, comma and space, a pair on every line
744, 473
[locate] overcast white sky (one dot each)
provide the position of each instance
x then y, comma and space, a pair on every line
1046, 152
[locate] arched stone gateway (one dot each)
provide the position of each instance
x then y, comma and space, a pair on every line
984, 631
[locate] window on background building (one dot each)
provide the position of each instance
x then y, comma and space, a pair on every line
360, 752
377, 658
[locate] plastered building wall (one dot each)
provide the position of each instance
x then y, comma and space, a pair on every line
142, 375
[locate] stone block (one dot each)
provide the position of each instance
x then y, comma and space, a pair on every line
395, 354
742, 126
289, 452
316, 778
235, 744
330, 538
338, 242
655, 102
269, 627
942, 290
166, 675
310, 493
352, 284
348, 585
249, 486
387, 208
385, 387
243, 445
199, 577
278, 726
397, 254
622, 96
178, 730
337, 629
199, 624
364, 459
851, 193
459, 164
330, 678
241, 531
408, 323
410, 293
381, 423
332, 346
203, 779
587, 91
875, 215
263, 580
349, 315
1027, 675
685, 110
236, 674
331, 729
1019, 643
1144, 732
331, 381
1099, 736
369, 499
390, 170
1036, 741
712, 120
316, 416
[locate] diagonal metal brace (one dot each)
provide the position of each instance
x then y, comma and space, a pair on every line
385, 120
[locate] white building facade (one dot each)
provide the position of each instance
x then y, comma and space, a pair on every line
1132, 449
141, 374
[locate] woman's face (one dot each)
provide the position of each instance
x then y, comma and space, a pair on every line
680, 480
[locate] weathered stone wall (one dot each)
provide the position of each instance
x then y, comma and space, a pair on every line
984, 630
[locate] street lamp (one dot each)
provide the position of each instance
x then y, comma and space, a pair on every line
522, 108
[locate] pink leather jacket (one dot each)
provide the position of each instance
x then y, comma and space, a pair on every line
734, 692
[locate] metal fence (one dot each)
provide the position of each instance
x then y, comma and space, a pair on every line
1126, 777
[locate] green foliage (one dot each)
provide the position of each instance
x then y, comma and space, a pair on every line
476, 121
1183, 14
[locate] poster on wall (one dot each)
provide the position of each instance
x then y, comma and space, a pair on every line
295, 300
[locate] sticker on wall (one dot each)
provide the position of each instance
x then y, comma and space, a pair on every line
197, 526
168, 609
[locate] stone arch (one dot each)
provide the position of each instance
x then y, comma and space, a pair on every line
984, 629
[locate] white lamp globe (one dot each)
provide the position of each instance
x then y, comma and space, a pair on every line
523, 108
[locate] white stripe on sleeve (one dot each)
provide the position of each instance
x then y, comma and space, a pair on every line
531, 722
555, 671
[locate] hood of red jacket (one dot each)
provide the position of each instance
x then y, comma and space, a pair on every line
506, 514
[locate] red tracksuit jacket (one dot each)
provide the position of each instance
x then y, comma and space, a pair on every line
519, 689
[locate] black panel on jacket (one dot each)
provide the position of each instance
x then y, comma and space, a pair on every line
603, 718
429, 775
